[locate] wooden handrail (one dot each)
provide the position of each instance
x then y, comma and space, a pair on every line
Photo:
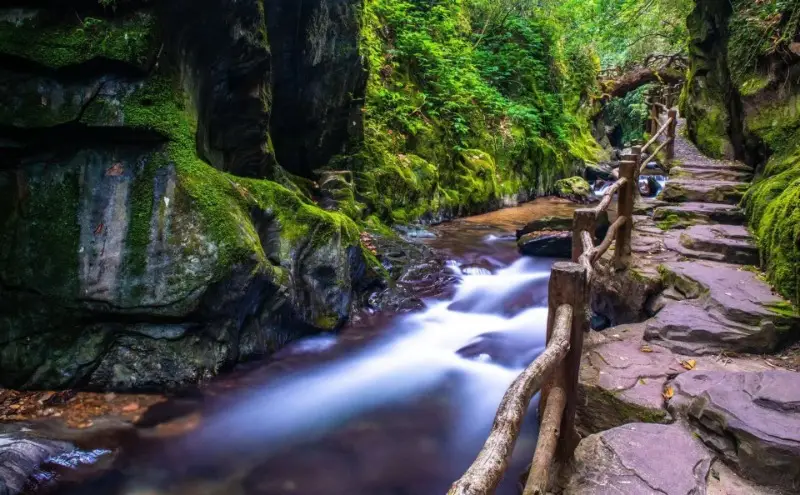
609, 195
556, 371
487, 471
611, 235
655, 153
658, 134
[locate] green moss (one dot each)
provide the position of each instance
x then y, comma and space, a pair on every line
711, 133
44, 235
684, 285
773, 208
74, 41
141, 198
223, 201
753, 85
674, 221
574, 188
784, 309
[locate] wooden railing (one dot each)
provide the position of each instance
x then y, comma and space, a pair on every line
556, 371
661, 101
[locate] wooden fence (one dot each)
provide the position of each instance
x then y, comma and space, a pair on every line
556, 371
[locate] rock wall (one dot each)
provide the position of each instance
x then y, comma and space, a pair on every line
753, 86
141, 244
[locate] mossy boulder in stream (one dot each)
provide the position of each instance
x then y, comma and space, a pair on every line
574, 189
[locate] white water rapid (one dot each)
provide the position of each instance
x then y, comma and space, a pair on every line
481, 334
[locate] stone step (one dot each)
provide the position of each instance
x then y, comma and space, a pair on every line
622, 378
725, 243
700, 213
727, 309
750, 419
687, 327
710, 174
640, 458
703, 191
716, 165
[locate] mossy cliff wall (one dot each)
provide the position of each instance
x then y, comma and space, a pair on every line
141, 244
762, 70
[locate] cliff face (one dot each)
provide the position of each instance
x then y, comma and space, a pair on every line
747, 105
148, 236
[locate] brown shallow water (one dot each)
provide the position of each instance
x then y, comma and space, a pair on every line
395, 404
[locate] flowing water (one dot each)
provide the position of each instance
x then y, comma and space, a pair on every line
394, 406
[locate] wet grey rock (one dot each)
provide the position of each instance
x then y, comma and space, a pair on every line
21, 454
546, 244
639, 459
750, 419
551, 237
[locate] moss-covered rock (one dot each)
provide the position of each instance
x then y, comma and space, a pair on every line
575, 189
710, 101
130, 256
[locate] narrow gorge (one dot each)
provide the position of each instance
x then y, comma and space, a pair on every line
304, 246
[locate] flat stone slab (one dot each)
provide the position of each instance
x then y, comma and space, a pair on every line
623, 377
687, 327
711, 164
728, 309
752, 419
701, 213
639, 459
725, 243
711, 173
703, 191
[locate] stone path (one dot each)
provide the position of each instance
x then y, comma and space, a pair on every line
689, 401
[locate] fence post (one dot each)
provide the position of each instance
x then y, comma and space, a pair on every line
584, 219
569, 284
653, 124
625, 209
673, 126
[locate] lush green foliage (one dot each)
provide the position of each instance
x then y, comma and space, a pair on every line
451, 77
625, 32
630, 113
758, 30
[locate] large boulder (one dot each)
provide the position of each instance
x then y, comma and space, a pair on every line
130, 256
551, 236
574, 189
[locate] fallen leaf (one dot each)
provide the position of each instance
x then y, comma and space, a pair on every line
689, 364
642, 381
130, 407
646, 348
99, 229
669, 393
